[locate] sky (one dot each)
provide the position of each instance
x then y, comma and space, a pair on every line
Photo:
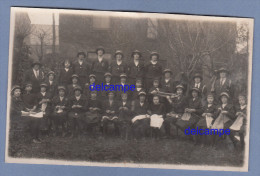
43, 18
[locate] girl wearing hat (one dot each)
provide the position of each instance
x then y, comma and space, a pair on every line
75, 83
100, 66
81, 68
108, 81
51, 84
140, 116
118, 67
138, 88
89, 85
197, 82
44, 105
152, 69
60, 106
77, 108
29, 99
136, 67
209, 115
178, 104
238, 128
65, 73
192, 112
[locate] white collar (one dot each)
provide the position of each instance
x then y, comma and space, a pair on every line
119, 62
100, 58
136, 62
224, 105
209, 105
66, 69
154, 62
78, 97
243, 107
43, 93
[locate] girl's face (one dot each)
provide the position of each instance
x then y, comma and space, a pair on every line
123, 79
224, 99
43, 89
92, 80
108, 79
119, 57
167, 75
138, 84
51, 77
93, 95
74, 80
61, 92
81, 57
194, 94
124, 97
28, 88
210, 100
100, 52
154, 58
156, 84
67, 64
197, 80
242, 100
17, 92
36, 67
223, 74
77, 92
179, 91
142, 98
136, 56
156, 100
111, 96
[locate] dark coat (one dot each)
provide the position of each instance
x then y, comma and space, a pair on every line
30, 77
52, 89
134, 71
99, 69
64, 77
153, 70
226, 87
82, 71
116, 70
40, 97
95, 104
168, 87
82, 101
195, 104
179, 104
229, 108
56, 102
140, 110
113, 107
17, 106
157, 109
29, 100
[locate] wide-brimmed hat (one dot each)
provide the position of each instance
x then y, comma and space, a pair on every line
100, 48
92, 76
77, 88
15, 87
195, 89
223, 69
123, 75
156, 79
167, 70
43, 85
28, 84
224, 94
81, 53
74, 76
210, 95
107, 74
61, 88
50, 72
141, 93
154, 53
110, 92
119, 52
197, 75
136, 52
180, 86
36, 63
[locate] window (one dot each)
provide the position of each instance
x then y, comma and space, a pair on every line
152, 28
101, 22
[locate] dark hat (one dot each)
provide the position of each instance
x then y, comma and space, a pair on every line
210, 95
224, 94
138, 79
197, 75
36, 63
15, 87
74, 76
43, 85
77, 88
180, 87
167, 70
195, 89
119, 52
107, 74
110, 92
223, 69
92, 75
61, 88
136, 52
93, 91
123, 75
81, 53
28, 84
154, 53
142, 93
51, 72
156, 79
100, 48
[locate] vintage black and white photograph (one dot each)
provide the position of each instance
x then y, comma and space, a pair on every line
129, 89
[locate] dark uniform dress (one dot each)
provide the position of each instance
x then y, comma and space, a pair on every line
116, 70
228, 120
93, 116
168, 86
195, 116
82, 70
177, 109
202, 124
140, 127
29, 99
71, 90
226, 87
36, 81
135, 71
134, 95
152, 71
76, 115
124, 117
60, 107
52, 88
64, 77
110, 117
99, 69
203, 90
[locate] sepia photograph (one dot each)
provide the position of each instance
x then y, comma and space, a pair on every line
129, 89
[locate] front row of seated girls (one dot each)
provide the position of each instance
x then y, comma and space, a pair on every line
74, 115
